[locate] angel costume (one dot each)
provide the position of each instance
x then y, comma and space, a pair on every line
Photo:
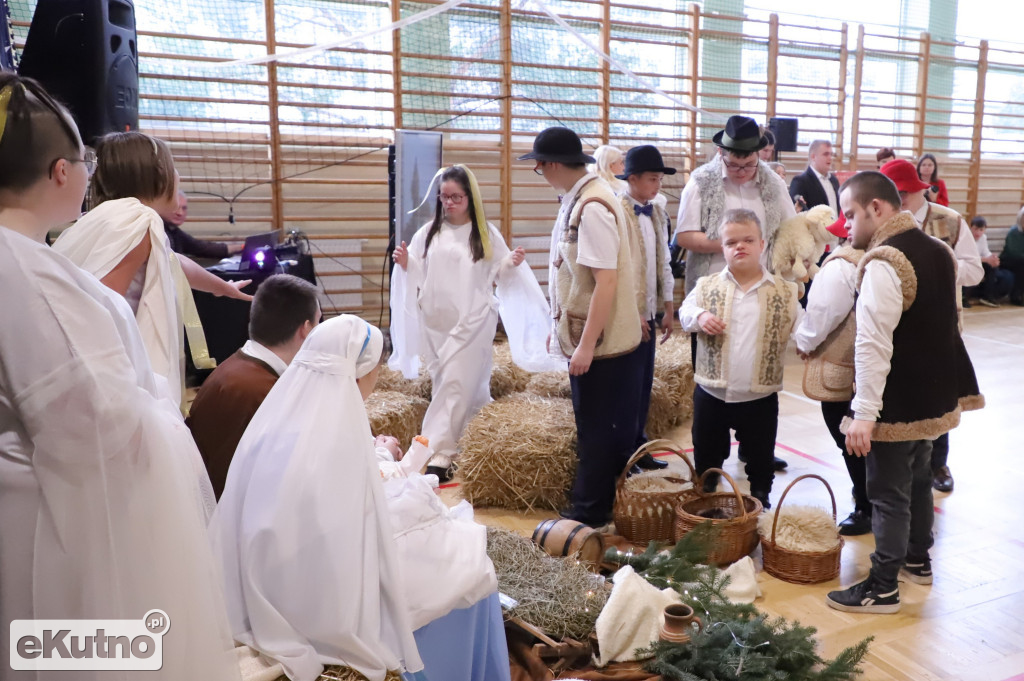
302, 529
100, 514
444, 309
160, 296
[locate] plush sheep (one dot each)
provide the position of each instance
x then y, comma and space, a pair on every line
800, 242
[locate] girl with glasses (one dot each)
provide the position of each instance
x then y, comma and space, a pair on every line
444, 309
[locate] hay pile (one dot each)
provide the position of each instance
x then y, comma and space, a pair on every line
506, 376
395, 381
801, 528
519, 453
664, 413
395, 413
559, 595
673, 367
550, 384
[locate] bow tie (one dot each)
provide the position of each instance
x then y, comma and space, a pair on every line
647, 210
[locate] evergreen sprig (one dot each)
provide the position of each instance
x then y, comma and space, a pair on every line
738, 643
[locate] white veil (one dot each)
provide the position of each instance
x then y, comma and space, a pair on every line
302, 528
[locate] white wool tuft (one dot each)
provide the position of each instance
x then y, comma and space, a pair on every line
801, 528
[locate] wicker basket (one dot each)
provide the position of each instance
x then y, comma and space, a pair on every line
737, 536
643, 517
801, 567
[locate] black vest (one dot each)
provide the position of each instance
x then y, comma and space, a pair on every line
931, 379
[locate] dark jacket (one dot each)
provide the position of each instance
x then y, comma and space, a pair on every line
807, 185
186, 244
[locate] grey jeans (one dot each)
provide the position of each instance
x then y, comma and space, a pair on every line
899, 477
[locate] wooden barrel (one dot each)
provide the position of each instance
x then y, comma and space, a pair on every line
560, 537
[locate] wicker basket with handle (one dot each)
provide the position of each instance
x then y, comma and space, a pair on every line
646, 516
737, 535
801, 567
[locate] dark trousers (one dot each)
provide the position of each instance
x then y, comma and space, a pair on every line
606, 404
646, 362
755, 422
833, 413
1015, 266
900, 489
940, 452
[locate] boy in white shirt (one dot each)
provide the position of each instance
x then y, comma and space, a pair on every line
743, 316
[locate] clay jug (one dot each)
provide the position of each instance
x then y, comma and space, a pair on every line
679, 621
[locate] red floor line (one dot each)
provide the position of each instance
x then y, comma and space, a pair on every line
815, 459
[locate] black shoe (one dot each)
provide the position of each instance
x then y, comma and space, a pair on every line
443, 473
711, 482
942, 480
761, 496
965, 304
857, 523
649, 463
918, 571
988, 303
634, 470
1017, 300
865, 597
777, 463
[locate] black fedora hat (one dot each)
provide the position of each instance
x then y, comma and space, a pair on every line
644, 159
740, 134
557, 145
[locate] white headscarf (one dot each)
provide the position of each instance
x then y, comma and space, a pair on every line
302, 527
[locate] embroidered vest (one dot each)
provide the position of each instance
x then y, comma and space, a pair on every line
931, 379
942, 223
711, 189
576, 282
659, 219
829, 372
777, 303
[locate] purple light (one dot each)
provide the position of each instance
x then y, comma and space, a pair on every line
260, 257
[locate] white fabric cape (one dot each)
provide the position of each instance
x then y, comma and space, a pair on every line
302, 528
100, 240
524, 310
444, 550
100, 514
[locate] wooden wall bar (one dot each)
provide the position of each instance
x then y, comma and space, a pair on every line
302, 144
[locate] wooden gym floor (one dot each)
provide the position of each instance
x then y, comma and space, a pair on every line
969, 624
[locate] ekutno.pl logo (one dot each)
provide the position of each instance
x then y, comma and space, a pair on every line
91, 645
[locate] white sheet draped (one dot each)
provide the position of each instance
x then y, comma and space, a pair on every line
100, 240
100, 513
302, 528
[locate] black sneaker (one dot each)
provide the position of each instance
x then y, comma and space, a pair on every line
711, 482
917, 571
864, 597
761, 496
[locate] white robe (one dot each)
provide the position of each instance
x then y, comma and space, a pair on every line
302, 529
444, 309
100, 240
100, 514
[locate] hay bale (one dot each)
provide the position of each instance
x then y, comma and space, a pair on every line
395, 413
558, 595
390, 380
664, 412
506, 376
519, 453
550, 384
672, 365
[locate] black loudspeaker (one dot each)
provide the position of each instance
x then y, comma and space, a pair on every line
85, 54
8, 61
785, 130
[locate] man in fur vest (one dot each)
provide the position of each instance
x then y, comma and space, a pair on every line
948, 226
825, 341
913, 378
596, 321
734, 179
